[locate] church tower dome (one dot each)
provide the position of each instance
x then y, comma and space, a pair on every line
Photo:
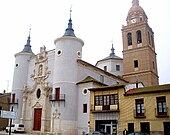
112, 63
136, 13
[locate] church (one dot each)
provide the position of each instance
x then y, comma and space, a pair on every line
50, 89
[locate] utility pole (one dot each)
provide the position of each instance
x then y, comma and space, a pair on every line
7, 85
10, 123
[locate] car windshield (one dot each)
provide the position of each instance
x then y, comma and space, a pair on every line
20, 125
95, 133
136, 133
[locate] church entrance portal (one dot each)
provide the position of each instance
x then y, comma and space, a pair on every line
37, 119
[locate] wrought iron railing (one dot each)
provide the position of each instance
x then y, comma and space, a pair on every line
12, 101
54, 97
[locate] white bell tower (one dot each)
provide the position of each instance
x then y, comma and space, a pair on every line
68, 51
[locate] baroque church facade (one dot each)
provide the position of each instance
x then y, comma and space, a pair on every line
50, 89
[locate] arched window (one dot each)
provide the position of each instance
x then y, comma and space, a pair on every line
152, 41
129, 37
40, 70
149, 38
139, 37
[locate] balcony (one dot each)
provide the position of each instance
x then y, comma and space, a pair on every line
13, 101
102, 109
142, 114
161, 114
53, 97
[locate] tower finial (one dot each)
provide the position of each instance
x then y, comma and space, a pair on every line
69, 31
112, 49
70, 10
135, 2
30, 30
27, 47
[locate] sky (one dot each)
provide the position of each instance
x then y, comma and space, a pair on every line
97, 22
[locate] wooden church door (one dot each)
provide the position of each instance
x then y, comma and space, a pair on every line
37, 119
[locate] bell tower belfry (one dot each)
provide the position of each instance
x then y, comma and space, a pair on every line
139, 56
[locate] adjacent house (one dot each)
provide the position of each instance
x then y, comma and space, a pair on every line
4, 105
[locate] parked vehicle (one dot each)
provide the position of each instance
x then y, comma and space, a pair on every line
138, 133
90, 133
99, 133
15, 128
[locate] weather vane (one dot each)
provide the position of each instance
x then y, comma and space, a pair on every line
112, 42
70, 10
30, 29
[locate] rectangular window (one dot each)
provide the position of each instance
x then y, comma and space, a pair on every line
141, 18
161, 105
106, 100
102, 78
98, 100
84, 108
117, 67
114, 99
105, 68
139, 107
13, 98
135, 63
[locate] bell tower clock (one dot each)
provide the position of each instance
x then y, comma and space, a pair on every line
139, 56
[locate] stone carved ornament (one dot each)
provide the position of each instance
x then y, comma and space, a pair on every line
41, 73
39, 76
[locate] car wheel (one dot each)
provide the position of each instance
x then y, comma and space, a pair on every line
6, 130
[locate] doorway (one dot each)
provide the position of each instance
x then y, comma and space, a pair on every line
145, 127
166, 128
37, 119
108, 126
108, 129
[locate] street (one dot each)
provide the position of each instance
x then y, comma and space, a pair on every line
4, 133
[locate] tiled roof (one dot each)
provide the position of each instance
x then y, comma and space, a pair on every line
100, 70
111, 87
152, 89
90, 79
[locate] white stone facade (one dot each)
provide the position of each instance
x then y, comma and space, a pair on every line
50, 86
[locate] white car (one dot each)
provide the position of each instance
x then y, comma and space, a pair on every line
16, 128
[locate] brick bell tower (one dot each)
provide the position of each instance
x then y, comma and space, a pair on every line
139, 56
